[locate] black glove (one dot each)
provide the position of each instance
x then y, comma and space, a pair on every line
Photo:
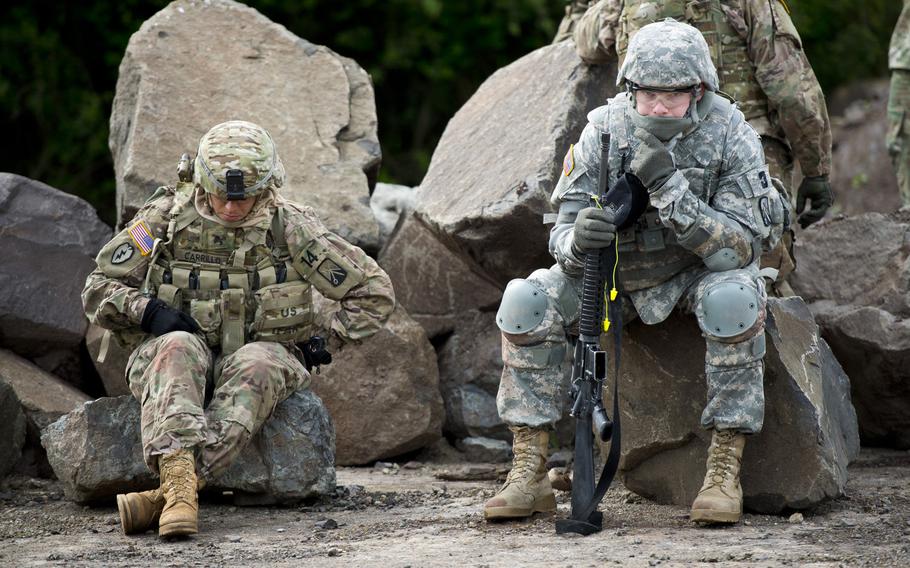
816, 189
594, 228
652, 162
159, 318
314, 352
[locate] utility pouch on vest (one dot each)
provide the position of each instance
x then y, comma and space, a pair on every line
170, 295
207, 314
283, 313
233, 323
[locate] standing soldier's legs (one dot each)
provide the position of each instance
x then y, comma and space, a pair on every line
780, 165
167, 375
533, 317
249, 384
730, 308
897, 140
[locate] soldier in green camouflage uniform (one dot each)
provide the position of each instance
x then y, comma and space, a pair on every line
211, 285
713, 206
575, 9
760, 62
899, 103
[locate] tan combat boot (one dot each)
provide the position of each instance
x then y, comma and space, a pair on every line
720, 499
527, 489
178, 484
139, 512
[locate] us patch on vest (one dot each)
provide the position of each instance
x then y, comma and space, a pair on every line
330, 270
142, 236
568, 163
122, 253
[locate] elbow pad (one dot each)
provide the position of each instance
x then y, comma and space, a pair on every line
718, 239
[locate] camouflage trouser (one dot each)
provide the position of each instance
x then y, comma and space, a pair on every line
168, 375
780, 165
899, 130
534, 383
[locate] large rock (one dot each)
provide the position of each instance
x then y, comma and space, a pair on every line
434, 284
383, 395
388, 203
865, 313
96, 452
44, 399
492, 173
50, 239
861, 172
180, 75
470, 366
810, 435
12, 429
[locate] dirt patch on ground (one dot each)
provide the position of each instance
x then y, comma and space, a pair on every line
408, 516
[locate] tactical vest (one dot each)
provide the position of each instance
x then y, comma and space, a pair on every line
238, 284
649, 251
729, 50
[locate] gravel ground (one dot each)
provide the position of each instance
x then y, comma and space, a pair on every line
407, 516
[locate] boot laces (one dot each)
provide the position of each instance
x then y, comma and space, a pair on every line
526, 458
178, 479
722, 458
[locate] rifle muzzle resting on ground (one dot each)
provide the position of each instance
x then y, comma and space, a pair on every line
628, 198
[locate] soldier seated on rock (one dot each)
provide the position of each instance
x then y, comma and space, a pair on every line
712, 208
212, 285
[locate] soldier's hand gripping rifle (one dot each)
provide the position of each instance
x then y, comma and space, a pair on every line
628, 199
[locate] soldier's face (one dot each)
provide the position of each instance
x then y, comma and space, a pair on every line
672, 104
231, 211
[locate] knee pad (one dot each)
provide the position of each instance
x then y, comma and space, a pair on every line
731, 311
522, 308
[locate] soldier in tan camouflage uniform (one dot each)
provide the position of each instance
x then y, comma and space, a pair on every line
575, 9
760, 63
899, 103
713, 206
211, 285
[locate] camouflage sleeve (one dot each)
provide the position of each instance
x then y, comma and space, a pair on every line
577, 182
112, 298
785, 75
725, 230
595, 32
899, 50
341, 272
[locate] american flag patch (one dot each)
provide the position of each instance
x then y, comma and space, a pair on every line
142, 236
568, 163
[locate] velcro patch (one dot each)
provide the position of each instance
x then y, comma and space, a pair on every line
568, 163
331, 271
122, 253
142, 236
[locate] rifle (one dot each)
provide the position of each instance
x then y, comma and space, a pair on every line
628, 199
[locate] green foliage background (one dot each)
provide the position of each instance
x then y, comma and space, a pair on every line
59, 60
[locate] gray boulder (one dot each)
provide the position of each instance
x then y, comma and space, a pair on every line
491, 174
12, 429
174, 84
864, 313
478, 449
470, 365
388, 203
44, 398
50, 239
383, 394
432, 282
810, 435
96, 452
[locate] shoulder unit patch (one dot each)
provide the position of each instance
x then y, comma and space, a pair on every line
331, 271
568, 163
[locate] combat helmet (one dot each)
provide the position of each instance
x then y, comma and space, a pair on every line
236, 160
668, 55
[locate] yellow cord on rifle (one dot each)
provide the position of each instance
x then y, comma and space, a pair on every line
614, 292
